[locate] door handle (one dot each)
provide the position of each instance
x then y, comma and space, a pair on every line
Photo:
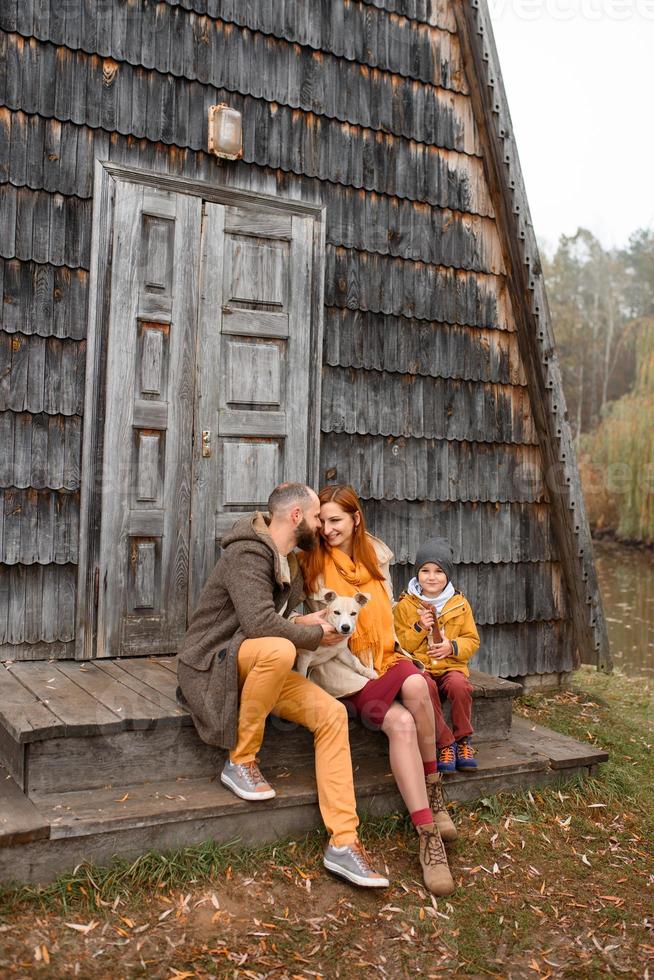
206, 443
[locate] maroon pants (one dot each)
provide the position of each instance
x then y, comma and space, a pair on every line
456, 687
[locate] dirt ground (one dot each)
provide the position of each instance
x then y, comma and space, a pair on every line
556, 883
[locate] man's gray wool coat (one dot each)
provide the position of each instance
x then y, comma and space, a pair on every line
241, 600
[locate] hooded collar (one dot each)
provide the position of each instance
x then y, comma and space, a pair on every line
438, 601
254, 527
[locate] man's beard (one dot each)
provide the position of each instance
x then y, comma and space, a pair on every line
305, 537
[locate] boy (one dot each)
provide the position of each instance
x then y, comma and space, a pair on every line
432, 603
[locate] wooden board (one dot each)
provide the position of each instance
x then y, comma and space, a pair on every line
13, 755
129, 806
20, 821
134, 708
79, 712
150, 673
132, 679
22, 715
60, 765
562, 751
487, 686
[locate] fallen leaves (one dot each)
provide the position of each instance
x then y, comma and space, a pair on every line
522, 907
42, 954
84, 929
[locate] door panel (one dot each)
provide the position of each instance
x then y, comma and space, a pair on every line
253, 366
144, 541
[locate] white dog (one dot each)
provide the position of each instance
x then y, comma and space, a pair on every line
342, 612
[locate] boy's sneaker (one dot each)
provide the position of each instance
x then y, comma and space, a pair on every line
436, 797
447, 758
352, 863
246, 781
465, 754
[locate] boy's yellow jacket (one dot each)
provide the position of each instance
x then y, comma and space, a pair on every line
455, 621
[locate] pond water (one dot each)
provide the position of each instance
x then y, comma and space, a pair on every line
626, 578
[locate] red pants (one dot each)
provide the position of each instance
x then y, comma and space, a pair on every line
456, 687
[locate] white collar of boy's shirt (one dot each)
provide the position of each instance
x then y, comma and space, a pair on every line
437, 601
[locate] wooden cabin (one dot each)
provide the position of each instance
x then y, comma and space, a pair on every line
359, 299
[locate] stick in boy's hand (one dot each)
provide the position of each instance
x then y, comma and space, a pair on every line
433, 632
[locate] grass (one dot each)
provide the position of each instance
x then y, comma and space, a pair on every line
554, 882
90, 887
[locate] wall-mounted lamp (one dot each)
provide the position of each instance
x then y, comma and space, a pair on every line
225, 132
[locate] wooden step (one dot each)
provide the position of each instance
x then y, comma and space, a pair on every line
129, 819
563, 751
70, 725
20, 820
502, 764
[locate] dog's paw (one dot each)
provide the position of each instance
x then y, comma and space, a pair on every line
371, 674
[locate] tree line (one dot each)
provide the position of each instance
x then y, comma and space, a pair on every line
602, 305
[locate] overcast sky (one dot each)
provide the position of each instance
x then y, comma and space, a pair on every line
579, 76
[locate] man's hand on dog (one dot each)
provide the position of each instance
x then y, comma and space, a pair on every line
330, 637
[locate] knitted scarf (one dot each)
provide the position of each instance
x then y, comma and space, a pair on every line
374, 633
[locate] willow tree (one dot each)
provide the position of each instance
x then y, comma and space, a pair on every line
618, 457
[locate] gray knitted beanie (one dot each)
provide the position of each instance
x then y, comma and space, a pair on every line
437, 550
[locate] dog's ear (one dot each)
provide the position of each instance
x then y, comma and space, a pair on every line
327, 595
362, 598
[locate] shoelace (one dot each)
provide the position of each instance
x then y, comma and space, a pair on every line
252, 773
361, 857
435, 849
466, 750
436, 795
446, 754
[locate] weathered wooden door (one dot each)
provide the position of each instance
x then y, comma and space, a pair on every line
208, 357
146, 475
253, 369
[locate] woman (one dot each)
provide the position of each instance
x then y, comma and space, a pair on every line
349, 560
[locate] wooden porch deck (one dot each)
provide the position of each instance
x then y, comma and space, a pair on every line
100, 759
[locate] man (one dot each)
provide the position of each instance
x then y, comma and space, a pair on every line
242, 637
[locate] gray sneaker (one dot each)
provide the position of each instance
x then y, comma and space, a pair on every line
246, 781
353, 863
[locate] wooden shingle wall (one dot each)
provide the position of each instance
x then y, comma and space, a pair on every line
364, 106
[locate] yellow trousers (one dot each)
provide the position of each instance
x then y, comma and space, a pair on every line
268, 685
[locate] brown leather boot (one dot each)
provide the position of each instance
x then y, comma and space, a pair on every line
435, 869
436, 799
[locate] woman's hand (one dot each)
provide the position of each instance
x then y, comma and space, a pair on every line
439, 651
427, 618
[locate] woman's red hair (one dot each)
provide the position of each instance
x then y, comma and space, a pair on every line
313, 562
